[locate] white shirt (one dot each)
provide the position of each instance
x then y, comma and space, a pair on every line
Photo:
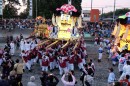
12, 45
27, 46
126, 69
111, 77
31, 84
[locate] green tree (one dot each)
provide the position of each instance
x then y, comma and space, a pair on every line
47, 7
25, 13
9, 11
118, 12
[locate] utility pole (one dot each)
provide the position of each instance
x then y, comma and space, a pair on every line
36, 8
114, 10
91, 4
69, 1
102, 12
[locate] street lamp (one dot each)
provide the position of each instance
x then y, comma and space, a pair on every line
114, 10
91, 4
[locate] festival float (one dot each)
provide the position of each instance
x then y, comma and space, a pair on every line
122, 32
65, 27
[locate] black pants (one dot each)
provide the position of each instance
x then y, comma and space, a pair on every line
19, 76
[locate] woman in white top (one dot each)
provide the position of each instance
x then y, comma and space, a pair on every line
69, 82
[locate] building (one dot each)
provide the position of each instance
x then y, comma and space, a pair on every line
91, 16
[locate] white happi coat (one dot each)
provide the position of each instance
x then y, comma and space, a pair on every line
22, 45
100, 50
27, 46
12, 50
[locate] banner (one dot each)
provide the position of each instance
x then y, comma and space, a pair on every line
30, 10
1, 8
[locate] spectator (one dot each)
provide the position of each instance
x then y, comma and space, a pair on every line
18, 67
111, 77
31, 83
70, 82
44, 78
4, 81
50, 80
88, 80
126, 80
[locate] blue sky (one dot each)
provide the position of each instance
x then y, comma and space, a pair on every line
107, 4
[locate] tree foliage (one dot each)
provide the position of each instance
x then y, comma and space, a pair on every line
118, 12
47, 7
9, 11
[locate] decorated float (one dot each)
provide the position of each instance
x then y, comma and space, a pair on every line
122, 32
65, 26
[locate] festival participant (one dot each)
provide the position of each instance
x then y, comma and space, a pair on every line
39, 55
27, 46
108, 48
104, 42
45, 63
22, 45
92, 64
1, 56
79, 60
25, 59
111, 77
115, 58
34, 56
96, 41
100, 51
51, 59
126, 80
74, 31
12, 48
29, 60
122, 61
126, 70
71, 61
33, 44
62, 64
110, 53
101, 41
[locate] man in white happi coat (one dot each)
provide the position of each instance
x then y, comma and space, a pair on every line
27, 46
12, 46
100, 51
33, 44
126, 70
22, 45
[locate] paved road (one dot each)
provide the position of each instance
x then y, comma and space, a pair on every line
101, 72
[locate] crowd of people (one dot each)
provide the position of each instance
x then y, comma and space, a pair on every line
10, 24
64, 59
118, 56
49, 60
